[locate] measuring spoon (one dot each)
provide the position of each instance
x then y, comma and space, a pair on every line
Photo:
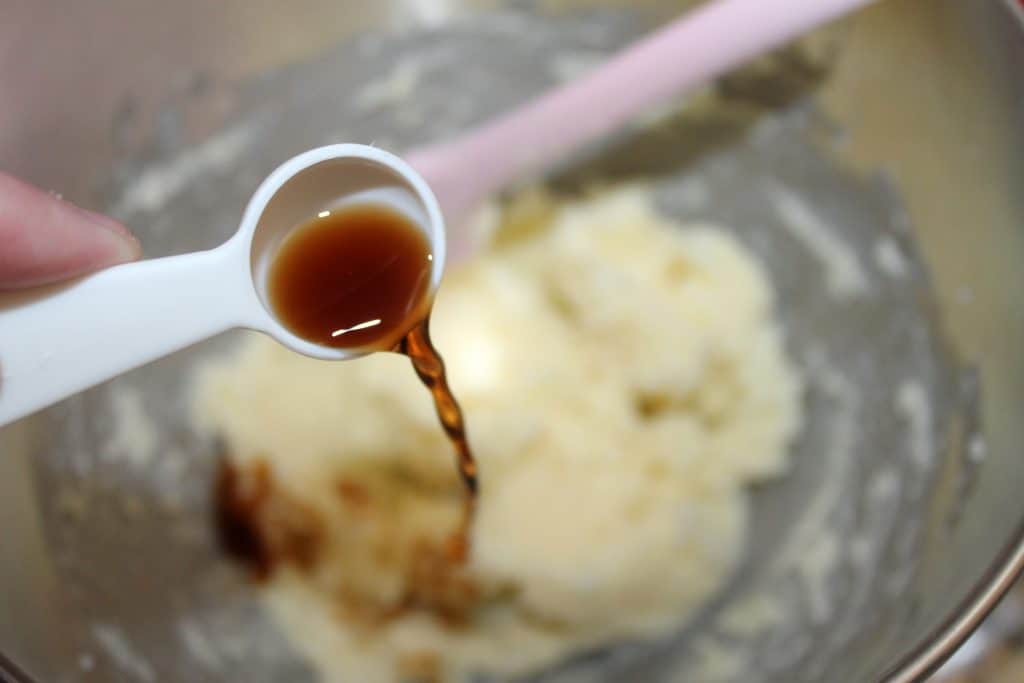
58, 340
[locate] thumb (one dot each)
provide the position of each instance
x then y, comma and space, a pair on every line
44, 239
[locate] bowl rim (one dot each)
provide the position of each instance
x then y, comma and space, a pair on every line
11, 673
945, 639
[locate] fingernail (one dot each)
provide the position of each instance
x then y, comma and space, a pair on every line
127, 244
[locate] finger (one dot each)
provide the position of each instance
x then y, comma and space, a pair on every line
44, 239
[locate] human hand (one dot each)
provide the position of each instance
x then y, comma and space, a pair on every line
44, 239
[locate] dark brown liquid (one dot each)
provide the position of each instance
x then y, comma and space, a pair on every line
245, 500
430, 367
358, 278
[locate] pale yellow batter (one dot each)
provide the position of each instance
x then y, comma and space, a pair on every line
624, 380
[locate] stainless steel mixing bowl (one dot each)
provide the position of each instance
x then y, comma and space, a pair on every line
894, 138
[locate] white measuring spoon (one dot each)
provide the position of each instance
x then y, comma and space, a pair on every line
58, 340
694, 49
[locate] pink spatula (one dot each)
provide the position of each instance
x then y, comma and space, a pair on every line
690, 51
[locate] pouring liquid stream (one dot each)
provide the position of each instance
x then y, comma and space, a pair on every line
358, 278
429, 365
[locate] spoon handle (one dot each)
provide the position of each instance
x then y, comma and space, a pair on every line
61, 339
699, 46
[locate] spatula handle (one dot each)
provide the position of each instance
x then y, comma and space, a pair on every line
692, 50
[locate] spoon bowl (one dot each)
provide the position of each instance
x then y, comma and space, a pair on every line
321, 180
